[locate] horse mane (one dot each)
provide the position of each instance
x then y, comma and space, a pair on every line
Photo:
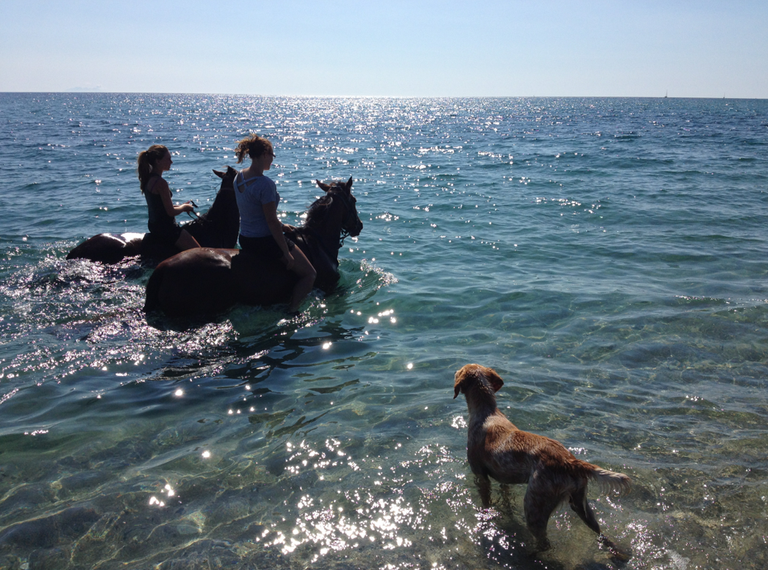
317, 211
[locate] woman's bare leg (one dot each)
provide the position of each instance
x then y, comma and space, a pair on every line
306, 273
186, 241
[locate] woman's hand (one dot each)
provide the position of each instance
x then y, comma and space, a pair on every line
188, 207
289, 261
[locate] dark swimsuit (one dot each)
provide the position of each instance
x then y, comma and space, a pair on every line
161, 225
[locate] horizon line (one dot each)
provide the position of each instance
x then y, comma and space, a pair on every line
76, 91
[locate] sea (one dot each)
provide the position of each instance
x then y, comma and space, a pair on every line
608, 257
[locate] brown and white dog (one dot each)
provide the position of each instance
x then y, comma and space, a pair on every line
496, 448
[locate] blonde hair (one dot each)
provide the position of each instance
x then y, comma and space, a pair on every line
253, 147
147, 161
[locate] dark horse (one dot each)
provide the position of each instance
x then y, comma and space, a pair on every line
218, 227
206, 281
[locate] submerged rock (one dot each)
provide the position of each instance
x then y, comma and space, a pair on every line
48, 532
49, 559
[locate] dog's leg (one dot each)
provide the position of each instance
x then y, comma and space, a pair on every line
580, 506
619, 554
484, 486
539, 505
505, 498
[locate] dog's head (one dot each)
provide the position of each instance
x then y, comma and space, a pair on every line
476, 375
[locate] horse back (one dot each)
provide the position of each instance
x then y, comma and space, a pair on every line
108, 248
194, 282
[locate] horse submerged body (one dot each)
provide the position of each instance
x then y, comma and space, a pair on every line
207, 281
218, 227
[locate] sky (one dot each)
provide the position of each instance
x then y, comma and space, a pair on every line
388, 48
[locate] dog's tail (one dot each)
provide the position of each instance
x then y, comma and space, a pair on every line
610, 480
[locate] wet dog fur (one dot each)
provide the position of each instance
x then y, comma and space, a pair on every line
497, 449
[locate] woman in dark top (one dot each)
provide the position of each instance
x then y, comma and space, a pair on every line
162, 213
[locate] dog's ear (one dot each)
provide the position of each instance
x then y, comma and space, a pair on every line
493, 379
460, 379
466, 376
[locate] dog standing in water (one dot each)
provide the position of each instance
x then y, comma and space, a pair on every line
497, 449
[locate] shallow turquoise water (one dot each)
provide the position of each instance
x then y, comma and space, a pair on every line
606, 256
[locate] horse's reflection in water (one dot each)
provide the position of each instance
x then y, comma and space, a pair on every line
207, 281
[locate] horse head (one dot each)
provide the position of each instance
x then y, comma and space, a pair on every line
220, 225
341, 194
227, 177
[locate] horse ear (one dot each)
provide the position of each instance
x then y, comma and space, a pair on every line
322, 185
349, 184
217, 173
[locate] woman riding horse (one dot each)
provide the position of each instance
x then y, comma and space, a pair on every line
218, 227
208, 281
261, 232
162, 213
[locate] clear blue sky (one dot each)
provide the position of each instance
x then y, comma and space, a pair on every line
388, 47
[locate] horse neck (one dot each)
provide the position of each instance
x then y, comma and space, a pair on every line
329, 240
326, 232
220, 225
224, 207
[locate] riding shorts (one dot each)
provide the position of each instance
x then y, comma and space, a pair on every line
165, 233
265, 246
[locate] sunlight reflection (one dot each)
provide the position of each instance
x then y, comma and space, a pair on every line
385, 508
154, 501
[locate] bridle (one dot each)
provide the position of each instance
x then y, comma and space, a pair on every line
349, 209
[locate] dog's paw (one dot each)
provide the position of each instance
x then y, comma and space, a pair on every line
619, 554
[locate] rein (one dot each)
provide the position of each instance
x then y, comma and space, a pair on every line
342, 236
196, 216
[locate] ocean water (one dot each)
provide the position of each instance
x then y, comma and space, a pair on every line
608, 257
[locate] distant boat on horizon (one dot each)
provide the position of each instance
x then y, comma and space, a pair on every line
666, 95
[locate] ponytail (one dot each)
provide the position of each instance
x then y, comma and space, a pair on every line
147, 161
253, 147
